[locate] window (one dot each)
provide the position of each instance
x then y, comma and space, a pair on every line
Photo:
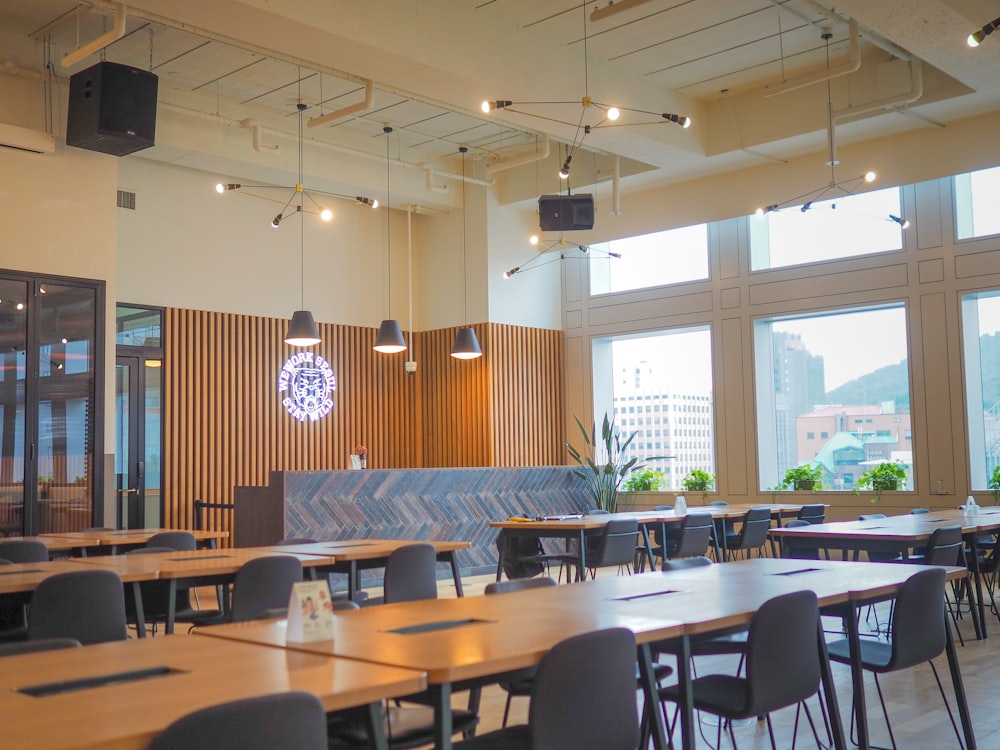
981, 352
975, 203
840, 228
669, 257
654, 381
841, 370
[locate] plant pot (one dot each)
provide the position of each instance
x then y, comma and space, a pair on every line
806, 485
888, 484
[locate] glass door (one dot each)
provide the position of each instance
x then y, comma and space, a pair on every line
13, 347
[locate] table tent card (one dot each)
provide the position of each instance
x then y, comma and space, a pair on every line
310, 612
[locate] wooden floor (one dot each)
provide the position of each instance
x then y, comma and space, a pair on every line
918, 716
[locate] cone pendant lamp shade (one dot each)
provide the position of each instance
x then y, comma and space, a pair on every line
302, 330
390, 338
466, 345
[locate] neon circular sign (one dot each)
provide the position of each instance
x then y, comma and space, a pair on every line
309, 383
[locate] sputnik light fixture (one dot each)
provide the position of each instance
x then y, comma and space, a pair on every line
466, 343
976, 37
610, 115
389, 339
556, 251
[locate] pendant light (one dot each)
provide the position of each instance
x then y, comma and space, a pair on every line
389, 339
302, 329
466, 343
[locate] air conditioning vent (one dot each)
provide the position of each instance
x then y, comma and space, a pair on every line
126, 199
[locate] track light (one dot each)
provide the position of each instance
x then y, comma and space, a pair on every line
373, 202
564, 170
904, 223
806, 206
276, 221
511, 272
684, 122
976, 38
488, 106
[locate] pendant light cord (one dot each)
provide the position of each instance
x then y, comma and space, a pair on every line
302, 221
465, 279
388, 221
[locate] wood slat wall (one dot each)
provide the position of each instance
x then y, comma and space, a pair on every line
224, 424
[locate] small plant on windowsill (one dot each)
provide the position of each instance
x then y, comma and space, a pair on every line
643, 480
994, 485
699, 480
888, 475
807, 477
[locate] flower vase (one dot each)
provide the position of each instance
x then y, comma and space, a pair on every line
364, 460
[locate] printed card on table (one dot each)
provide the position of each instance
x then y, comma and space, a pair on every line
310, 612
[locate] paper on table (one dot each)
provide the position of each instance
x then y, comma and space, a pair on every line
310, 612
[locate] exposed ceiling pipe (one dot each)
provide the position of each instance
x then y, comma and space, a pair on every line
350, 109
255, 127
117, 32
429, 169
914, 94
866, 34
500, 163
851, 65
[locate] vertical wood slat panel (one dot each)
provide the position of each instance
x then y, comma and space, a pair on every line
224, 424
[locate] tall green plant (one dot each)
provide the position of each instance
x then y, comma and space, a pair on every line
603, 480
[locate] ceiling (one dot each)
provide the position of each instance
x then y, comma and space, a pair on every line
719, 62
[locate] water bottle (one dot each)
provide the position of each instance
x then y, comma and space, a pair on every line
970, 506
680, 506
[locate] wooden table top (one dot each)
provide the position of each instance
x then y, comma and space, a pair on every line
906, 528
131, 536
589, 523
455, 639
192, 563
57, 542
127, 715
346, 550
24, 577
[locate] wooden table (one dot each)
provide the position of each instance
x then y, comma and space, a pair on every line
195, 567
116, 538
351, 556
203, 672
900, 534
58, 542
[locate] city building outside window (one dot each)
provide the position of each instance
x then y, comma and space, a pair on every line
981, 354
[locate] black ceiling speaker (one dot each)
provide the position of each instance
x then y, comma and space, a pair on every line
558, 213
112, 109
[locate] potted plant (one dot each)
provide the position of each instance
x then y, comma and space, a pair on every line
603, 480
888, 475
643, 480
699, 480
994, 485
806, 476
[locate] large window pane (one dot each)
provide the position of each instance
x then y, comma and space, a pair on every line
976, 195
825, 230
660, 387
669, 257
981, 344
13, 334
833, 389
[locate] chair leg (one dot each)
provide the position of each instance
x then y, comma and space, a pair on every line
506, 709
770, 732
947, 706
885, 712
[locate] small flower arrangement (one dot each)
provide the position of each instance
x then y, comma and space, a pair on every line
362, 454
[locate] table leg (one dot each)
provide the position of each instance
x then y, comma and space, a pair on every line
171, 607
830, 691
649, 547
442, 715
652, 698
686, 694
959, 687
581, 570
978, 612
352, 579
857, 676
376, 727
449, 557
140, 617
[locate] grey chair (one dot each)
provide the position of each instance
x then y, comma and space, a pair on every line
798, 549
917, 634
293, 540
686, 563
410, 575
583, 697
812, 513
86, 605
615, 546
23, 551
32, 647
752, 534
919, 511
518, 584
156, 599
694, 537
261, 584
782, 666
269, 722
13, 614
175, 540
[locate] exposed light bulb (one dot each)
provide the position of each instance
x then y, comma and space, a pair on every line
19, 306
220, 188
870, 177
485, 106
276, 221
533, 239
975, 39
759, 212
687, 122
326, 214
65, 340
511, 272
614, 113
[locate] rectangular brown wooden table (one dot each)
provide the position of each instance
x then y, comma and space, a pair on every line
59, 542
116, 538
901, 534
351, 556
171, 677
195, 567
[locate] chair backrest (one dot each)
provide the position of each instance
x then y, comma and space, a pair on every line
269, 722
617, 543
918, 511
24, 551
798, 549
291, 540
813, 513
718, 502
918, 620
871, 516
88, 605
945, 547
753, 533
264, 583
411, 574
663, 507
695, 535
175, 540
783, 659
519, 584
685, 563
594, 673
31, 647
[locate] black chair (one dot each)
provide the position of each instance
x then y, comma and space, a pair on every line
32, 647
878, 553
686, 563
615, 546
917, 634
694, 537
782, 666
583, 697
156, 599
410, 575
261, 584
657, 541
752, 534
518, 584
525, 557
798, 549
13, 614
175, 540
918, 511
945, 547
269, 722
87, 605
812, 513
24, 551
